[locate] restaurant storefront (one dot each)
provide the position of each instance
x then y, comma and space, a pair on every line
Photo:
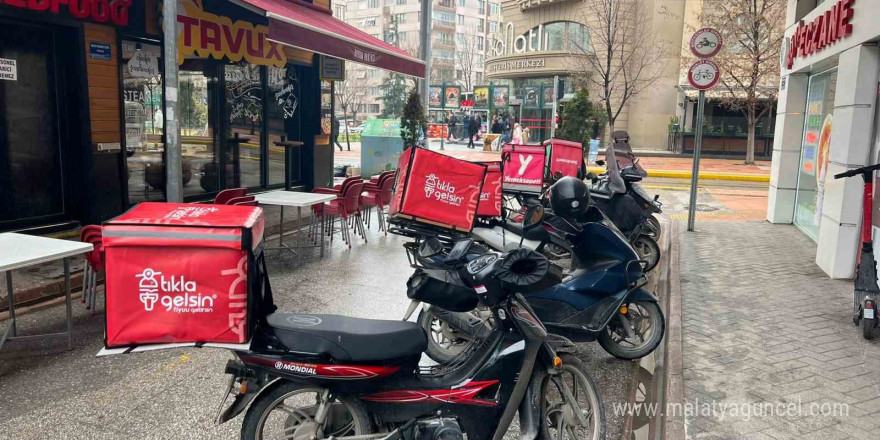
82, 95
826, 123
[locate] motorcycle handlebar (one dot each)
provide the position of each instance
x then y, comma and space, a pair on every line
857, 171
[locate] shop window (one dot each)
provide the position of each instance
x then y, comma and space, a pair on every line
815, 151
281, 108
244, 109
144, 121
197, 109
554, 36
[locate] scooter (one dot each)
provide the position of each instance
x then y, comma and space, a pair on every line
865, 292
602, 298
618, 195
328, 377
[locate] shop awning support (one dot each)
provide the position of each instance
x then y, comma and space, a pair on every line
173, 166
425, 50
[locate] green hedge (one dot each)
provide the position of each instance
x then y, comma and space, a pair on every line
354, 137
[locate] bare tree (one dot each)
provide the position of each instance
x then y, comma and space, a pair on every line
351, 96
749, 59
622, 56
466, 54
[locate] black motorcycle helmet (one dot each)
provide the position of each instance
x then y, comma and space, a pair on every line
569, 197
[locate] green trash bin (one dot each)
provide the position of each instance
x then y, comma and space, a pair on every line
381, 146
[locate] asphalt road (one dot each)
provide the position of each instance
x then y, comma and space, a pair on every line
48, 392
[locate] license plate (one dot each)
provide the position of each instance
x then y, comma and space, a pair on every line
868, 314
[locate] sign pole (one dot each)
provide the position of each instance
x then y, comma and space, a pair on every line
443, 114
173, 160
695, 174
555, 106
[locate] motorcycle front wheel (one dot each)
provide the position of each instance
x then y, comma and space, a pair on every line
289, 411
636, 333
570, 404
444, 344
648, 250
654, 223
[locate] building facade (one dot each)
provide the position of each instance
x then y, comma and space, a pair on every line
82, 94
826, 123
460, 33
537, 41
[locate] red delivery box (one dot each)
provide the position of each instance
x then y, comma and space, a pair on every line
523, 167
566, 157
437, 189
490, 196
180, 273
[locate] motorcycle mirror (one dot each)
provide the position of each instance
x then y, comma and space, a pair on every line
533, 217
600, 162
430, 247
557, 175
592, 176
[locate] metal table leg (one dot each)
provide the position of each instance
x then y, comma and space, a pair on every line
11, 327
323, 221
281, 233
69, 307
299, 250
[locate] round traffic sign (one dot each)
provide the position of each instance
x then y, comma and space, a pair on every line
703, 74
706, 43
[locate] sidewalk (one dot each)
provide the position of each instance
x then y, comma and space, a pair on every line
769, 349
670, 167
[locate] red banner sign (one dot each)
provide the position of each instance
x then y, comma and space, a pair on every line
101, 11
824, 30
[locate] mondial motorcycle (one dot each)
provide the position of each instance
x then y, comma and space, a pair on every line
323, 377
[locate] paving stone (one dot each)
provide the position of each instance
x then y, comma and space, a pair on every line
764, 324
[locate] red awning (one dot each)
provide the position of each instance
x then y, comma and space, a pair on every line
306, 26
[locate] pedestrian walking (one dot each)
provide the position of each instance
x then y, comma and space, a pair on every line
505, 130
465, 127
525, 135
496, 125
450, 123
517, 134
334, 133
473, 130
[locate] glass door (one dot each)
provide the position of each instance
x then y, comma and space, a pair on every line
815, 152
31, 180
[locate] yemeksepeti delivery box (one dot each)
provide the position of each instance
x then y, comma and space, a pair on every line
437, 189
490, 196
179, 273
566, 158
524, 168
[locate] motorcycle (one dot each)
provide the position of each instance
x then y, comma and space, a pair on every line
618, 194
329, 377
601, 299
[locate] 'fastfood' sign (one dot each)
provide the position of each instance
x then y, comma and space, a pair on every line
205, 34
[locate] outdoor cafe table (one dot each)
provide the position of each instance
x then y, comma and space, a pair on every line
18, 251
299, 200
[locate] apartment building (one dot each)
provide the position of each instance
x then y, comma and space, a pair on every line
460, 32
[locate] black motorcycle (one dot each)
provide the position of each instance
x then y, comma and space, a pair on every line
323, 377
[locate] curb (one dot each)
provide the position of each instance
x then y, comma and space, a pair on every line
674, 424
707, 176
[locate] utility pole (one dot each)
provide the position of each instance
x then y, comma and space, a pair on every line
425, 48
555, 106
173, 165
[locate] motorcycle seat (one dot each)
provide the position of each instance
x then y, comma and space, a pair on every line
348, 339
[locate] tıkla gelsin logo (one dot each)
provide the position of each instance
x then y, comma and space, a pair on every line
441, 191
174, 294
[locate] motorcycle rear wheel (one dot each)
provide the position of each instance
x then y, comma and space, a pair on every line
868, 325
616, 341
559, 419
648, 250
288, 411
441, 348
655, 223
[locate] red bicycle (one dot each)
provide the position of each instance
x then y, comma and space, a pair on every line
866, 289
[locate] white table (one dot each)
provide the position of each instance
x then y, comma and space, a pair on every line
18, 251
299, 200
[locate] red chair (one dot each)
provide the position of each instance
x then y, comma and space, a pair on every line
246, 203
239, 200
223, 197
346, 208
378, 195
338, 190
94, 264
